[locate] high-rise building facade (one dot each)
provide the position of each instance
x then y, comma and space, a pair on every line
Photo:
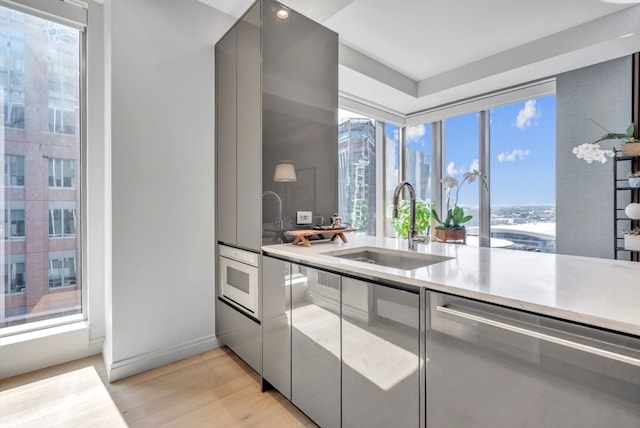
357, 173
40, 154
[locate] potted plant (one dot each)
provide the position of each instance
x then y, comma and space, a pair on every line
630, 145
402, 223
634, 179
632, 239
451, 227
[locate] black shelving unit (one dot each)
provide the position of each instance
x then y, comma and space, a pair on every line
622, 195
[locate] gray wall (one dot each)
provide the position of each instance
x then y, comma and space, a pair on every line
584, 192
162, 133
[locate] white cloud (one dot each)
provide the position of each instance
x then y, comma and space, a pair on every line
451, 169
513, 155
527, 115
414, 133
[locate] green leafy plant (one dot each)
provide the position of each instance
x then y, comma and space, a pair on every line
402, 223
455, 214
627, 137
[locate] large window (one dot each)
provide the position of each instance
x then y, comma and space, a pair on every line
41, 78
522, 142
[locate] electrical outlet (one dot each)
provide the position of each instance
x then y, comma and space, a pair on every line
303, 217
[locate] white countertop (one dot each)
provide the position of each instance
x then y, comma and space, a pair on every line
599, 292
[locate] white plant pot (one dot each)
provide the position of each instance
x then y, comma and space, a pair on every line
632, 242
634, 181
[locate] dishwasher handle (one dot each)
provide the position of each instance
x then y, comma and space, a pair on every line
542, 336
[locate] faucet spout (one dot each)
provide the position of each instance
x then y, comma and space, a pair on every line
279, 220
412, 195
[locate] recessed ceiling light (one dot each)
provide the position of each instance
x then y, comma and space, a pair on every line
621, 1
282, 14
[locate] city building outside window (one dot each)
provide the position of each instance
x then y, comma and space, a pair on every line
357, 171
40, 75
391, 171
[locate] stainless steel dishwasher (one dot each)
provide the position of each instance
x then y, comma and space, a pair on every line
489, 366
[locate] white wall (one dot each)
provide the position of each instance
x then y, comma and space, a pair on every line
162, 142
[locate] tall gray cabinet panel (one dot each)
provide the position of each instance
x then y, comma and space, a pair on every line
380, 356
300, 113
489, 366
276, 324
226, 137
315, 345
248, 163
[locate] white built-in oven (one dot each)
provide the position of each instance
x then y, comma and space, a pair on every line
239, 280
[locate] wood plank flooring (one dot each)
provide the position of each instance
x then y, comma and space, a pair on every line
214, 389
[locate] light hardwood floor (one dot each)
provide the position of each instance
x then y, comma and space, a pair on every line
214, 389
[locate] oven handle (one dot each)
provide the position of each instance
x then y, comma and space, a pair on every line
542, 336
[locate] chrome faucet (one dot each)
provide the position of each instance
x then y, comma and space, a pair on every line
412, 235
279, 220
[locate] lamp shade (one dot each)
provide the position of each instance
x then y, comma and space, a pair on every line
285, 172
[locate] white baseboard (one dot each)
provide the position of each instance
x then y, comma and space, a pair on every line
117, 370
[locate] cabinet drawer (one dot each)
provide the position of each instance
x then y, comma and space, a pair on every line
239, 255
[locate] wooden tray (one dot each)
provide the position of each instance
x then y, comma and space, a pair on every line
303, 235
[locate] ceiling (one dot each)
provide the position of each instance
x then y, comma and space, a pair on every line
406, 56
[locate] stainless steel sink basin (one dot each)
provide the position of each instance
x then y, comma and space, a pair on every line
398, 259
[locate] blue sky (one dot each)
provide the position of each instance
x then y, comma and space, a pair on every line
522, 153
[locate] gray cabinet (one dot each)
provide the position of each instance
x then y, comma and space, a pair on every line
238, 133
489, 366
226, 137
315, 344
276, 324
239, 333
276, 99
380, 356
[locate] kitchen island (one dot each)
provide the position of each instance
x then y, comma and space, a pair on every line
478, 337
598, 292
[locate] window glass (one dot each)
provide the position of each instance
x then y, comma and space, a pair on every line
392, 170
418, 159
461, 148
357, 172
40, 76
522, 147
13, 170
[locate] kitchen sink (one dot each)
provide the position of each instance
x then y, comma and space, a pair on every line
398, 259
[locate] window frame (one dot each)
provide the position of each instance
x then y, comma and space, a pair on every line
436, 116
75, 16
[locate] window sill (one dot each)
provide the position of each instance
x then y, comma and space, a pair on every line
26, 332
